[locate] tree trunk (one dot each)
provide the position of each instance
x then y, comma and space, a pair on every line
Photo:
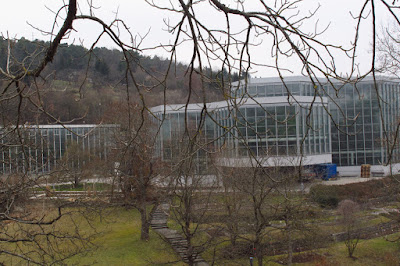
259, 253
260, 259
76, 181
190, 254
233, 239
290, 248
145, 228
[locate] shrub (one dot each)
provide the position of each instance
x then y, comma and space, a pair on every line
325, 196
330, 196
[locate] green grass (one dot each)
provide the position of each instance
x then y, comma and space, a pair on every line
372, 252
119, 243
115, 237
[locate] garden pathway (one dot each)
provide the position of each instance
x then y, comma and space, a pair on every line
178, 243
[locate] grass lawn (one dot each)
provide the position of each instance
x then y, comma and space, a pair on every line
115, 237
119, 243
372, 252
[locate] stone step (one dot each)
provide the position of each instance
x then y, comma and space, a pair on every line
179, 242
176, 240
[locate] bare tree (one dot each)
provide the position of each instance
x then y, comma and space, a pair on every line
255, 185
135, 165
192, 191
191, 210
348, 210
234, 202
389, 51
292, 210
35, 232
34, 236
76, 164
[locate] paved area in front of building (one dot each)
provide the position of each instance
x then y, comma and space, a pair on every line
338, 181
349, 180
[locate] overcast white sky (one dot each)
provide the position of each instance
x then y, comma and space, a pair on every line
142, 18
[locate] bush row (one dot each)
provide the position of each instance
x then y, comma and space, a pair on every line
330, 196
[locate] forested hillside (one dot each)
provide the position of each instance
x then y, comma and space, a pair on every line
81, 85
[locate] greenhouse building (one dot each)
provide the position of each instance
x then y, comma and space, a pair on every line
270, 122
38, 149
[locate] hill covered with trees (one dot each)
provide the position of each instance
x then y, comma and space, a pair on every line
81, 84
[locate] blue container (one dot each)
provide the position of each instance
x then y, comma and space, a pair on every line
326, 170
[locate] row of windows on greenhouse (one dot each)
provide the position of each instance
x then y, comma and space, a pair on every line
176, 130
275, 89
357, 158
361, 123
282, 131
41, 148
315, 130
361, 90
391, 98
225, 132
357, 115
390, 105
175, 124
360, 156
262, 129
267, 130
